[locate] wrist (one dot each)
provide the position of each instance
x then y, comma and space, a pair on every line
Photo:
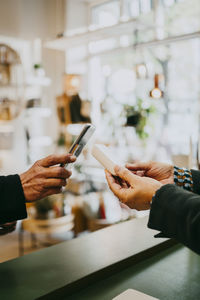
23, 183
156, 188
183, 178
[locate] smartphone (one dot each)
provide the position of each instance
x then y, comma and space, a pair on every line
81, 140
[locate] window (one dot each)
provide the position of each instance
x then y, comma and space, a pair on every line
133, 8
105, 14
145, 6
168, 3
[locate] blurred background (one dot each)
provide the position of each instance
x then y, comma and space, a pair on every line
131, 67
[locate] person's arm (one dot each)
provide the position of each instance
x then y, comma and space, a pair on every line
166, 173
183, 178
44, 178
196, 181
12, 200
176, 213
173, 211
187, 179
7, 227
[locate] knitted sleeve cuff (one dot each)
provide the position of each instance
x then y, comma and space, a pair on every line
183, 178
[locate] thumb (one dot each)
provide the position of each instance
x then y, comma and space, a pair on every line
56, 159
127, 175
138, 166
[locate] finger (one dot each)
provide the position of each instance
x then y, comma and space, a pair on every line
124, 206
10, 224
55, 183
127, 175
52, 191
124, 184
57, 172
6, 231
111, 181
140, 173
138, 166
116, 188
121, 182
54, 159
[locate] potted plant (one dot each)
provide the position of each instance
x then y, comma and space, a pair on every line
39, 71
137, 116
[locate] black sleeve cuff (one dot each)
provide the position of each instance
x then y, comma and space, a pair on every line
158, 208
12, 200
176, 214
196, 181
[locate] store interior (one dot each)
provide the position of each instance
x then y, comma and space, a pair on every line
129, 67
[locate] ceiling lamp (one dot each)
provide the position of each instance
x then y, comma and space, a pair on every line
72, 84
141, 71
156, 92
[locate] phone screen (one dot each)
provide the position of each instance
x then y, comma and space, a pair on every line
82, 140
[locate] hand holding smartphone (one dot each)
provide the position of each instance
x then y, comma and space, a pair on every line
81, 140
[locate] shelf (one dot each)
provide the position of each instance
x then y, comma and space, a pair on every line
122, 28
114, 31
10, 85
38, 81
30, 81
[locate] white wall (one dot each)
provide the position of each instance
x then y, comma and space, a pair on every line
76, 14
44, 19
31, 18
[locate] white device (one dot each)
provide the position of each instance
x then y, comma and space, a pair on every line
81, 141
104, 157
133, 295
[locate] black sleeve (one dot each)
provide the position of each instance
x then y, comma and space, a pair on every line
12, 200
176, 213
196, 181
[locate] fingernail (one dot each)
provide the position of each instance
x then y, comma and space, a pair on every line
107, 172
117, 168
73, 157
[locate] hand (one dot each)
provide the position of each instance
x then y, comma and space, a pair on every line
156, 170
134, 191
44, 179
7, 227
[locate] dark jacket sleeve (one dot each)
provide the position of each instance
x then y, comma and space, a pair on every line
176, 213
196, 181
12, 200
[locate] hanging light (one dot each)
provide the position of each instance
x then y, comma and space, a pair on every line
156, 92
141, 71
72, 84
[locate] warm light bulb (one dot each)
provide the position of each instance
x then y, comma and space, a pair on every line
141, 71
75, 82
156, 93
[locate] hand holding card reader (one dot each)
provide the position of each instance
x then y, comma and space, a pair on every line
81, 141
